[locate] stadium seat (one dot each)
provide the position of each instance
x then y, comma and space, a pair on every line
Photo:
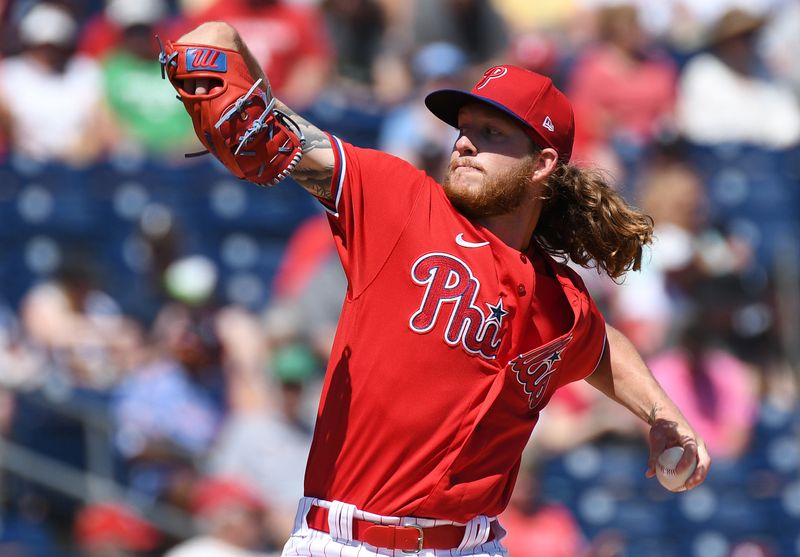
642, 519
247, 263
706, 543
227, 203
597, 509
358, 123
753, 191
25, 536
10, 184
58, 201
653, 546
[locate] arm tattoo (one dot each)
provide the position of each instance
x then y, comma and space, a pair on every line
314, 177
315, 138
316, 182
651, 419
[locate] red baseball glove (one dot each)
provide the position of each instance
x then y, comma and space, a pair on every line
236, 120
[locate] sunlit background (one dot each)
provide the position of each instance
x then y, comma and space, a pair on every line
164, 327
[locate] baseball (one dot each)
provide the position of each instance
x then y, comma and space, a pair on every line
665, 469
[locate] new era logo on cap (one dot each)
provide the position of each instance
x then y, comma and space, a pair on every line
526, 96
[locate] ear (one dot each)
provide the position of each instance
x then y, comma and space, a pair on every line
546, 163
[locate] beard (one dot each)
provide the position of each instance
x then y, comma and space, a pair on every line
499, 194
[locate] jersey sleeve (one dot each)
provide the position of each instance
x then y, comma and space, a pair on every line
588, 336
374, 195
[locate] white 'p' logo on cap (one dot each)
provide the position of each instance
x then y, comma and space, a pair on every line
492, 73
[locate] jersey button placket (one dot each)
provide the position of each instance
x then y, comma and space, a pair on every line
521, 290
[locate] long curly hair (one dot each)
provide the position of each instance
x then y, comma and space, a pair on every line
585, 219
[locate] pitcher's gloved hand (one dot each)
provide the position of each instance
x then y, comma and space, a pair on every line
234, 116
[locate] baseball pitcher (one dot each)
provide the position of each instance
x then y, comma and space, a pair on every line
460, 320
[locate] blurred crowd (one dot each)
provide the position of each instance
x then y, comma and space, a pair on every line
181, 426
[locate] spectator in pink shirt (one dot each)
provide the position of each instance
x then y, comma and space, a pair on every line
711, 386
537, 527
622, 89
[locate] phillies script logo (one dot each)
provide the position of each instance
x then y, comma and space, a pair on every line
452, 290
535, 368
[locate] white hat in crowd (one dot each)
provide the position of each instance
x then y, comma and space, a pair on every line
127, 13
48, 24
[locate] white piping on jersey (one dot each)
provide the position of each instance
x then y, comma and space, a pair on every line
603, 351
339, 179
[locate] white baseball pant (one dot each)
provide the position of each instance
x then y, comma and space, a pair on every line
306, 542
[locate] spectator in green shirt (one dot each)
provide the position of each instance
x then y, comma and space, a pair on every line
149, 118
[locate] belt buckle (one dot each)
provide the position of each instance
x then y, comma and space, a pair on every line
420, 537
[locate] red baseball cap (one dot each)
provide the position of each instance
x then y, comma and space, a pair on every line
218, 492
114, 524
527, 96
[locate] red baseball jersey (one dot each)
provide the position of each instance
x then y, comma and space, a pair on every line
449, 344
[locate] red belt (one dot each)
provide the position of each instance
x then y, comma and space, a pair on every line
409, 539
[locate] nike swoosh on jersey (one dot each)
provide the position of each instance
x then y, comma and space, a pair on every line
467, 244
